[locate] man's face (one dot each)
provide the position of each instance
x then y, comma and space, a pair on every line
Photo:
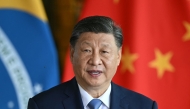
95, 59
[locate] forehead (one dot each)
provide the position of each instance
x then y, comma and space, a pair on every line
89, 37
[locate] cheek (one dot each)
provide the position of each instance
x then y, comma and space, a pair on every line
111, 64
79, 61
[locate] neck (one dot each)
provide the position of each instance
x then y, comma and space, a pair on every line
96, 92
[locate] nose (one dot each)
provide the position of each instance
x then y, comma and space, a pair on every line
95, 59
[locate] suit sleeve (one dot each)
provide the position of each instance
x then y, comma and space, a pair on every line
32, 104
155, 106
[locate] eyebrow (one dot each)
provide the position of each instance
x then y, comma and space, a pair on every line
107, 45
86, 42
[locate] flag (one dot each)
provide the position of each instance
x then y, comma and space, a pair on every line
156, 48
28, 58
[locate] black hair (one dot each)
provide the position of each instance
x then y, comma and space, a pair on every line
97, 24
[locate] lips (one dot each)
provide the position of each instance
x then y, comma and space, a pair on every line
94, 73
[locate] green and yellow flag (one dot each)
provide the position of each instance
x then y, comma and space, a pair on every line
28, 58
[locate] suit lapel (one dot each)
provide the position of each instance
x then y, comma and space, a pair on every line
116, 98
73, 101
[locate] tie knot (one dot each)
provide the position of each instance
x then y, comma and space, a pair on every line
94, 104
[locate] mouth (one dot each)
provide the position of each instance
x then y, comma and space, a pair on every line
94, 73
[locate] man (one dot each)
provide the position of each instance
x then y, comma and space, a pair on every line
96, 45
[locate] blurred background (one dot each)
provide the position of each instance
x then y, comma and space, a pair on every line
34, 47
62, 16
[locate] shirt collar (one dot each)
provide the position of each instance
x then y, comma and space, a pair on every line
86, 98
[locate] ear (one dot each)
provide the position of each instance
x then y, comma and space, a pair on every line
119, 55
71, 53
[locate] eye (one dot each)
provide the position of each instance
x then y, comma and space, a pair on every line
87, 50
105, 52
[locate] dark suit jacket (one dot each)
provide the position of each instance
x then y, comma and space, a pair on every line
67, 96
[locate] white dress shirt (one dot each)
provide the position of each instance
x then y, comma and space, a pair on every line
105, 98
